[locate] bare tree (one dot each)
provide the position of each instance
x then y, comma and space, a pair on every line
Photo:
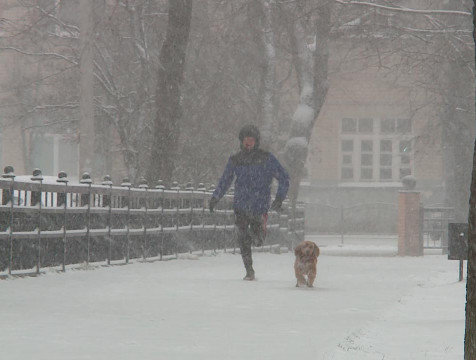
123, 44
36, 67
126, 65
309, 39
221, 88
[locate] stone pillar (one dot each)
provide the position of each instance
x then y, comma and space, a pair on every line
410, 241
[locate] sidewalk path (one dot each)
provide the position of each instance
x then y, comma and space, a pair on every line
361, 308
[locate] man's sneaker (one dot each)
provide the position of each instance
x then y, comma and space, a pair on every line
249, 276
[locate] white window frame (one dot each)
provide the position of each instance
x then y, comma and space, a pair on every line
375, 136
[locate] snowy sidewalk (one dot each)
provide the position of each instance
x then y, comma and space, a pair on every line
361, 308
425, 324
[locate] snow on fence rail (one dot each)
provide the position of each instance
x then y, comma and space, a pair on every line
52, 222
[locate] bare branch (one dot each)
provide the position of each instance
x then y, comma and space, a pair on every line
404, 9
55, 55
73, 105
436, 31
48, 124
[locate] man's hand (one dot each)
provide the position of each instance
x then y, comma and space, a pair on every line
213, 203
276, 205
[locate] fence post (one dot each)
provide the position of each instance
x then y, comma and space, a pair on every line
214, 219
108, 200
227, 218
62, 178
86, 179
9, 174
342, 224
190, 188
160, 186
37, 176
126, 183
201, 187
175, 186
143, 185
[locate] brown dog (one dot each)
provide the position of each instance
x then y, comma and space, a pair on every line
306, 262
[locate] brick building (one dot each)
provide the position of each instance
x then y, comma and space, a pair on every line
375, 128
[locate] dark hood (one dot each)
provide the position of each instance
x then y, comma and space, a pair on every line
249, 131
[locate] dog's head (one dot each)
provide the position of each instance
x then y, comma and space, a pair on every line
307, 249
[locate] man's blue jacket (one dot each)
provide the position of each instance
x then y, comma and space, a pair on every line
254, 172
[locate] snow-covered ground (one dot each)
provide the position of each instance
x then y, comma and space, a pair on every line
363, 307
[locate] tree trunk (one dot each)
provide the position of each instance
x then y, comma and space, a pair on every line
310, 61
86, 102
470, 330
470, 333
267, 105
166, 128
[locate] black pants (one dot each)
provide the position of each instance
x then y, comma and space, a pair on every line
251, 231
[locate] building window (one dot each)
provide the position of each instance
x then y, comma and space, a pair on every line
53, 153
366, 160
349, 125
387, 126
375, 150
353, 126
366, 125
395, 126
386, 160
347, 169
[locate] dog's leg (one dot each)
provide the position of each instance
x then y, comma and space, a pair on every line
311, 277
300, 278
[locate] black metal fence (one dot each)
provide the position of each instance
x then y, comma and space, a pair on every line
51, 222
435, 226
